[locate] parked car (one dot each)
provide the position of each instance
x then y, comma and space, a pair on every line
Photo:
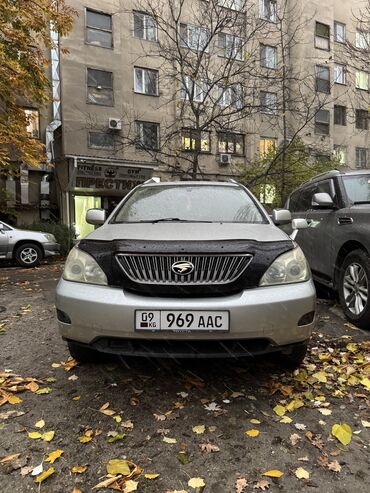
187, 269
337, 243
27, 248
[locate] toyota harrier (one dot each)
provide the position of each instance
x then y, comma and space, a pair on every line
187, 269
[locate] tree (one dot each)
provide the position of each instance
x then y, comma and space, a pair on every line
24, 41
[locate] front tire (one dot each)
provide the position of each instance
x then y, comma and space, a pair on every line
294, 358
84, 354
354, 285
28, 255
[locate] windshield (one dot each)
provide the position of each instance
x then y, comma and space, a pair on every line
358, 188
202, 203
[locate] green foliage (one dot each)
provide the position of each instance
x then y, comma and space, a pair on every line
273, 177
63, 234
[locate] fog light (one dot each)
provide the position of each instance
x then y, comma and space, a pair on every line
307, 319
63, 317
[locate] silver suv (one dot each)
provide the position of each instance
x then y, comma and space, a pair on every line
187, 269
337, 243
27, 248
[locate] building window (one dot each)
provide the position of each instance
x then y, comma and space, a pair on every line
362, 40
268, 10
322, 122
268, 102
195, 140
268, 56
231, 143
322, 79
362, 119
145, 26
322, 36
267, 145
100, 140
230, 46
193, 90
194, 37
146, 81
231, 4
339, 32
340, 113
340, 152
99, 29
231, 96
147, 135
361, 157
339, 73
99, 87
32, 122
362, 80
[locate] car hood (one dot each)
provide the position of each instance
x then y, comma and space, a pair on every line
188, 232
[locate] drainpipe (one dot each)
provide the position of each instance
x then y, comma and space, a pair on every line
55, 83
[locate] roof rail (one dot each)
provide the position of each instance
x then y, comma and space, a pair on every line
231, 180
153, 179
332, 172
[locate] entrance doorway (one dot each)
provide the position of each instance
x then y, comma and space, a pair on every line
81, 204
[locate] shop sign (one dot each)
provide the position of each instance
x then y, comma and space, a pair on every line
114, 178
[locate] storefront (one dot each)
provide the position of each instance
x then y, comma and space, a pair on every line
101, 184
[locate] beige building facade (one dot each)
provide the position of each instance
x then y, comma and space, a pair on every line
126, 112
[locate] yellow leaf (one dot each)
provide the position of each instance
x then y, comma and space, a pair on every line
279, 410
352, 347
45, 475
76, 398
117, 466
320, 376
55, 365
196, 483
286, 420
48, 436
53, 456
302, 473
199, 429
273, 474
117, 419
79, 469
130, 486
151, 476
169, 440
35, 435
14, 400
85, 439
342, 432
40, 424
365, 382
325, 412
45, 390
252, 433
255, 421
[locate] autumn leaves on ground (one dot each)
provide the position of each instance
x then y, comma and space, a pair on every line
168, 426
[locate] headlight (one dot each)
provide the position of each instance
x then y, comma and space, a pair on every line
50, 237
288, 268
81, 267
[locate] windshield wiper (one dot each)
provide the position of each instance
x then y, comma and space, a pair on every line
361, 202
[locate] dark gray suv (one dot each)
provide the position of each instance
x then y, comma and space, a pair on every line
337, 243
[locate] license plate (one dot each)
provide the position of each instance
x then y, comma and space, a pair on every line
182, 320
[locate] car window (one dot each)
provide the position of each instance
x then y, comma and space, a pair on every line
320, 187
357, 188
5, 227
190, 203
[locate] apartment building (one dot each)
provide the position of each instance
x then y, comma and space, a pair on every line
132, 104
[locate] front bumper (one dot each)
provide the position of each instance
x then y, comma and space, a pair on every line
104, 317
51, 249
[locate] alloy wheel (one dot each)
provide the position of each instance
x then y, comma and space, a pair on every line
355, 288
28, 255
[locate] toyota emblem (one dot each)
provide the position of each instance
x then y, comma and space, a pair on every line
182, 268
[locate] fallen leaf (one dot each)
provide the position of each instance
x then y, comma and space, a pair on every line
183, 457
169, 440
334, 466
342, 432
365, 424
196, 483
48, 436
252, 433
9, 458
76, 398
208, 447
286, 420
45, 475
303, 459
45, 390
235, 395
151, 476
14, 400
116, 438
240, 485
184, 395
279, 410
76, 490
104, 410
37, 470
10, 414
325, 412
199, 429
274, 473
35, 435
128, 425
117, 466
69, 364
73, 378
53, 456
130, 486
294, 438
262, 485
26, 470
302, 473
40, 424
160, 417
79, 469
212, 407
255, 421
300, 426
320, 376
117, 418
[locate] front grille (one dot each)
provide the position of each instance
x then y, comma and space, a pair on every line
208, 269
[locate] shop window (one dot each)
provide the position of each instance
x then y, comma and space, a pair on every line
99, 87
195, 140
322, 36
231, 143
144, 26
146, 81
32, 122
99, 29
147, 135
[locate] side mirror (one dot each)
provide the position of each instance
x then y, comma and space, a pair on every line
281, 216
95, 216
322, 201
298, 224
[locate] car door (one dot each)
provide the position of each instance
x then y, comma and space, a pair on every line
298, 204
4, 240
319, 237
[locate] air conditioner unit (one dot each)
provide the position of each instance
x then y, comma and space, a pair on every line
224, 159
115, 124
